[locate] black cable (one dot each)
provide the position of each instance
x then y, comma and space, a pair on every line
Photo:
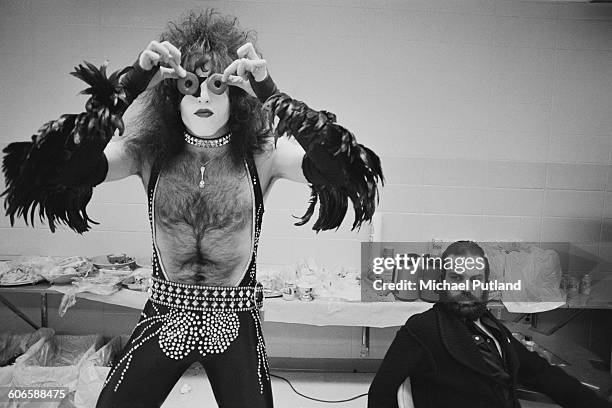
316, 399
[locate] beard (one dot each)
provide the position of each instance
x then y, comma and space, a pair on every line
472, 309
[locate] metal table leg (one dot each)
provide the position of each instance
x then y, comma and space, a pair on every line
43, 310
534, 320
365, 342
18, 312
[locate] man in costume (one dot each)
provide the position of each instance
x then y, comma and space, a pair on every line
206, 152
457, 354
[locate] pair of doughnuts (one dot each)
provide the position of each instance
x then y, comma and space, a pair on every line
190, 84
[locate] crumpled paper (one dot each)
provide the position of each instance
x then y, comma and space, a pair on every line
104, 283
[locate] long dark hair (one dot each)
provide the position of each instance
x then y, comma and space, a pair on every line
159, 129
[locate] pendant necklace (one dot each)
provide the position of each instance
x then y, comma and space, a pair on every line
202, 183
202, 170
208, 143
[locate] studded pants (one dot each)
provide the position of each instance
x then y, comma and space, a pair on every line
166, 341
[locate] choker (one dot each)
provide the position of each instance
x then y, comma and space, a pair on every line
217, 142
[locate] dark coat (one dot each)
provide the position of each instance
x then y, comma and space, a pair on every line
446, 370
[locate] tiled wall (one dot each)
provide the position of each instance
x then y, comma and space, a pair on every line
492, 117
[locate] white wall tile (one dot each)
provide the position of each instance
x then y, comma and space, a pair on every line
18, 36
521, 88
35, 241
515, 174
451, 227
279, 224
452, 200
139, 13
515, 146
404, 170
579, 230
576, 176
582, 84
560, 203
451, 57
21, 68
402, 227
133, 39
584, 11
416, 5
570, 117
511, 117
512, 202
462, 6
16, 9
460, 115
608, 205
287, 195
530, 9
467, 87
120, 217
282, 251
525, 229
127, 191
522, 74
525, 32
582, 66
452, 143
67, 12
452, 172
408, 25
462, 28
512, 59
74, 43
59, 95
606, 231
401, 198
580, 34
579, 148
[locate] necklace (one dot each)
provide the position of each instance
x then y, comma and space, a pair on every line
202, 183
202, 170
208, 143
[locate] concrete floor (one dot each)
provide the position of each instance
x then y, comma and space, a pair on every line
331, 386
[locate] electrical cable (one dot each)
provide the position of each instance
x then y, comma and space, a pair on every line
316, 399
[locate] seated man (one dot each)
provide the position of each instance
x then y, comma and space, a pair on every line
458, 355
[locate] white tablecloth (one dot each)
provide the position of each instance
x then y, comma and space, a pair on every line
320, 312
325, 312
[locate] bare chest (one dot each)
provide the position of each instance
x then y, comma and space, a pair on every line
203, 221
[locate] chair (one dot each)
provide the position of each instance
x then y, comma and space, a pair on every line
404, 395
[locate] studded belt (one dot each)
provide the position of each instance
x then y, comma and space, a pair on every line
206, 298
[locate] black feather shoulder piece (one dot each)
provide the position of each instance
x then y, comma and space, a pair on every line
51, 174
341, 168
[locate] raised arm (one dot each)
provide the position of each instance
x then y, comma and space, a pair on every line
57, 170
328, 156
